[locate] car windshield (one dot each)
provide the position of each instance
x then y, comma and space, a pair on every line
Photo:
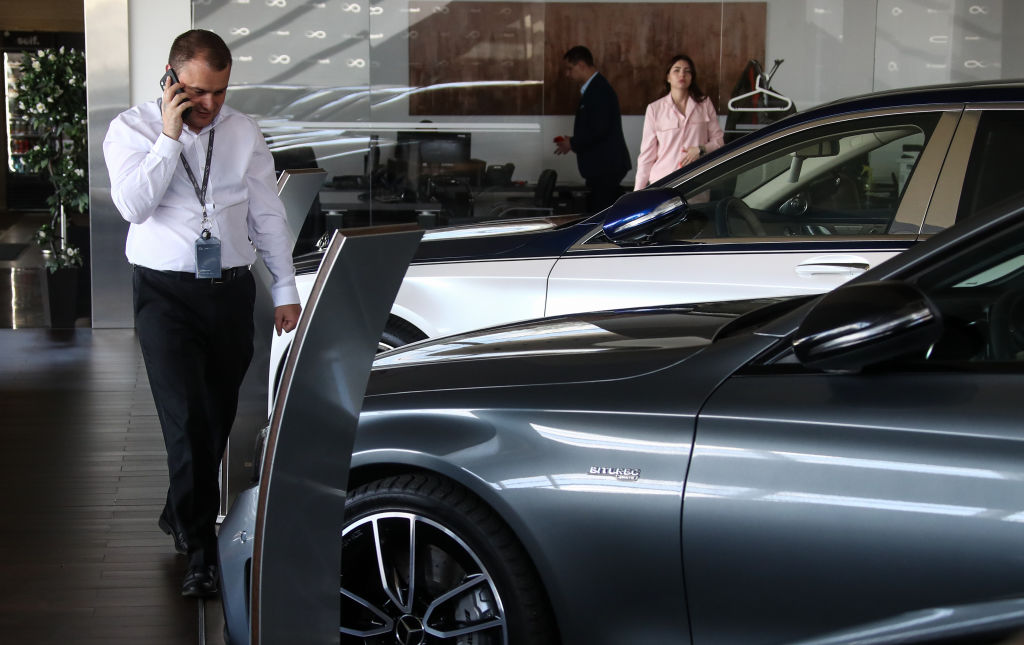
766, 182
847, 177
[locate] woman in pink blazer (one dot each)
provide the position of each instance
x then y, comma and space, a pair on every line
678, 127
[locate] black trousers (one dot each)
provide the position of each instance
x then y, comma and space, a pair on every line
602, 192
196, 339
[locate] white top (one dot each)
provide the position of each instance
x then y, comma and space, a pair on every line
150, 188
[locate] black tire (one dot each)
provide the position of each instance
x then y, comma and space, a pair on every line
397, 333
473, 583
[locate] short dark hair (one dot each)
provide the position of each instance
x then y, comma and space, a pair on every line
200, 43
579, 54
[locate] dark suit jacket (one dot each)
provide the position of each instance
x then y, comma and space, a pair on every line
597, 134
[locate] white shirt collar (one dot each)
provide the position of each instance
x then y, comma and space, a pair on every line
584, 88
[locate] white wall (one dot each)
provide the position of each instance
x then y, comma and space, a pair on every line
152, 26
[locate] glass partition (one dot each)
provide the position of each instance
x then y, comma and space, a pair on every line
440, 112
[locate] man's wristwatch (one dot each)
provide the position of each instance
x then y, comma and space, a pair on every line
702, 151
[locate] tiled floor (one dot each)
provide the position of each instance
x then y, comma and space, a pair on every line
83, 474
83, 477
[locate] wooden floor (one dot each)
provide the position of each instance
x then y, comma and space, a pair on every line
82, 480
83, 476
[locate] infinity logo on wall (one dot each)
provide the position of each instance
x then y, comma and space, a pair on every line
277, 3
240, 31
282, 59
352, 7
319, 33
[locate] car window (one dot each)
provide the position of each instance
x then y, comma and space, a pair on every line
981, 297
842, 179
993, 171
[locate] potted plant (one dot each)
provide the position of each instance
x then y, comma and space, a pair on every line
51, 92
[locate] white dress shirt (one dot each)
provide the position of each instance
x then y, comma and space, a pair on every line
152, 191
583, 90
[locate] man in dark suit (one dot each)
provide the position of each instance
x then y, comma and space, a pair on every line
597, 139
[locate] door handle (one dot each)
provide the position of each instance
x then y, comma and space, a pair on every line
833, 265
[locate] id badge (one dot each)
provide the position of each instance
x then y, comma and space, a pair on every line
207, 258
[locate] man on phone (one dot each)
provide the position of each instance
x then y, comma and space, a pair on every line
195, 180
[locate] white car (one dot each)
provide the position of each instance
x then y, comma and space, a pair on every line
798, 207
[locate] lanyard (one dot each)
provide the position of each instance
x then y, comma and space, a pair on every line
201, 193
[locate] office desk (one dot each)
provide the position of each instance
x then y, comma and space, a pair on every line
346, 209
349, 208
568, 198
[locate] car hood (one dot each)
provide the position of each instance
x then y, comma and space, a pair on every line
500, 239
573, 348
495, 239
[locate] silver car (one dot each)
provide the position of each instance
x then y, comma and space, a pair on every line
743, 472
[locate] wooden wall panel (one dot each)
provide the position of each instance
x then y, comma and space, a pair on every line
744, 40
632, 44
459, 42
42, 15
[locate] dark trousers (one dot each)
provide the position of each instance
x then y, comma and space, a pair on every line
196, 339
602, 192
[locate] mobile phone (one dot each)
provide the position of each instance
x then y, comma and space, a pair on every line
170, 78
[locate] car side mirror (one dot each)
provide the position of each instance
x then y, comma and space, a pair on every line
638, 215
864, 324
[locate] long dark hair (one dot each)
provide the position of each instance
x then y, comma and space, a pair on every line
696, 93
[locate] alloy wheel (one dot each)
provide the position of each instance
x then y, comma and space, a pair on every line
408, 580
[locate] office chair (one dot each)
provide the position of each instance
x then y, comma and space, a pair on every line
544, 194
454, 194
499, 174
543, 202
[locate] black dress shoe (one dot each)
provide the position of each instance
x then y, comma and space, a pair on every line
200, 582
180, 545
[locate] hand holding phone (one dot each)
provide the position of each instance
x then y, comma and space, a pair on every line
170, 78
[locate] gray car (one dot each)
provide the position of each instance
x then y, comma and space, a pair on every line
743, 472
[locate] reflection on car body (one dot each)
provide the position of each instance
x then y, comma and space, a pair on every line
800, 469
798, 207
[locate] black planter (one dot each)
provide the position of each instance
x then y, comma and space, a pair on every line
62, 289
78, 235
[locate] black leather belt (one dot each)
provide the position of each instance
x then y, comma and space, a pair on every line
226, 275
